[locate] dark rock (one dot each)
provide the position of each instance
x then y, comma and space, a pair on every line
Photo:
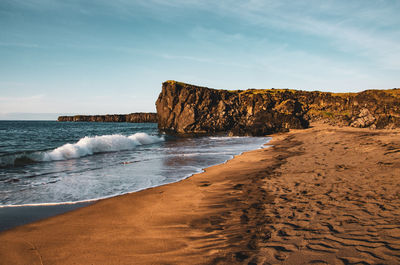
189, 109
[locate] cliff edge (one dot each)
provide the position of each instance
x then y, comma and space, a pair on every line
188, 109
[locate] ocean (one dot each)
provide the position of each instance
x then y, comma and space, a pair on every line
52, 163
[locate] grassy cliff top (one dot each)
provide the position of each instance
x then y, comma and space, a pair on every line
395, 92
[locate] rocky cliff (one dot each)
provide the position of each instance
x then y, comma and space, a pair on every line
189, 109
133, 117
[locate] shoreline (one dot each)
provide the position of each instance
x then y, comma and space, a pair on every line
287, 204
12, 216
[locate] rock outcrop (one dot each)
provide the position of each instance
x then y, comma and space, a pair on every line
189, 109
141, 117
364, 119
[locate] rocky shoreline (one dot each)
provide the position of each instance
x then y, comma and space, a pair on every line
186, 109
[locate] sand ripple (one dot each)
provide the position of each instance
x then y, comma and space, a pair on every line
337, 201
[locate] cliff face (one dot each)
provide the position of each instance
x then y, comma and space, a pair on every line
133, 117
188, 109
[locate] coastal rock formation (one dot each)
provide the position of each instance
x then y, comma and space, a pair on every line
189, 109
364, 119
140, 117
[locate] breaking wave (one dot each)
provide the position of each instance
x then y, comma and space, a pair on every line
84, 147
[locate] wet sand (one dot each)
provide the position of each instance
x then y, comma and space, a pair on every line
11, 217
324, 195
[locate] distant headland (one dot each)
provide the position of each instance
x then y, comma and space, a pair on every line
138, 117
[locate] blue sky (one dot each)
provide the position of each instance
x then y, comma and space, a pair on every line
98, 57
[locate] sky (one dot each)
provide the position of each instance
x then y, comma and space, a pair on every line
100, 57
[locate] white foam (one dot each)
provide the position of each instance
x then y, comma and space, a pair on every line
100, 144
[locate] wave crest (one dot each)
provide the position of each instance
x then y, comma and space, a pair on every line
84, 147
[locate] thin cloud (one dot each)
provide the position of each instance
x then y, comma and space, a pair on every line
189, 58
202, 33
331, 23
23, 99
367, 29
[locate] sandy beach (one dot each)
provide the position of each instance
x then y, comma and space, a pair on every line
324, 195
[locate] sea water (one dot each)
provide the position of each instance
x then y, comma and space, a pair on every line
49, 162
